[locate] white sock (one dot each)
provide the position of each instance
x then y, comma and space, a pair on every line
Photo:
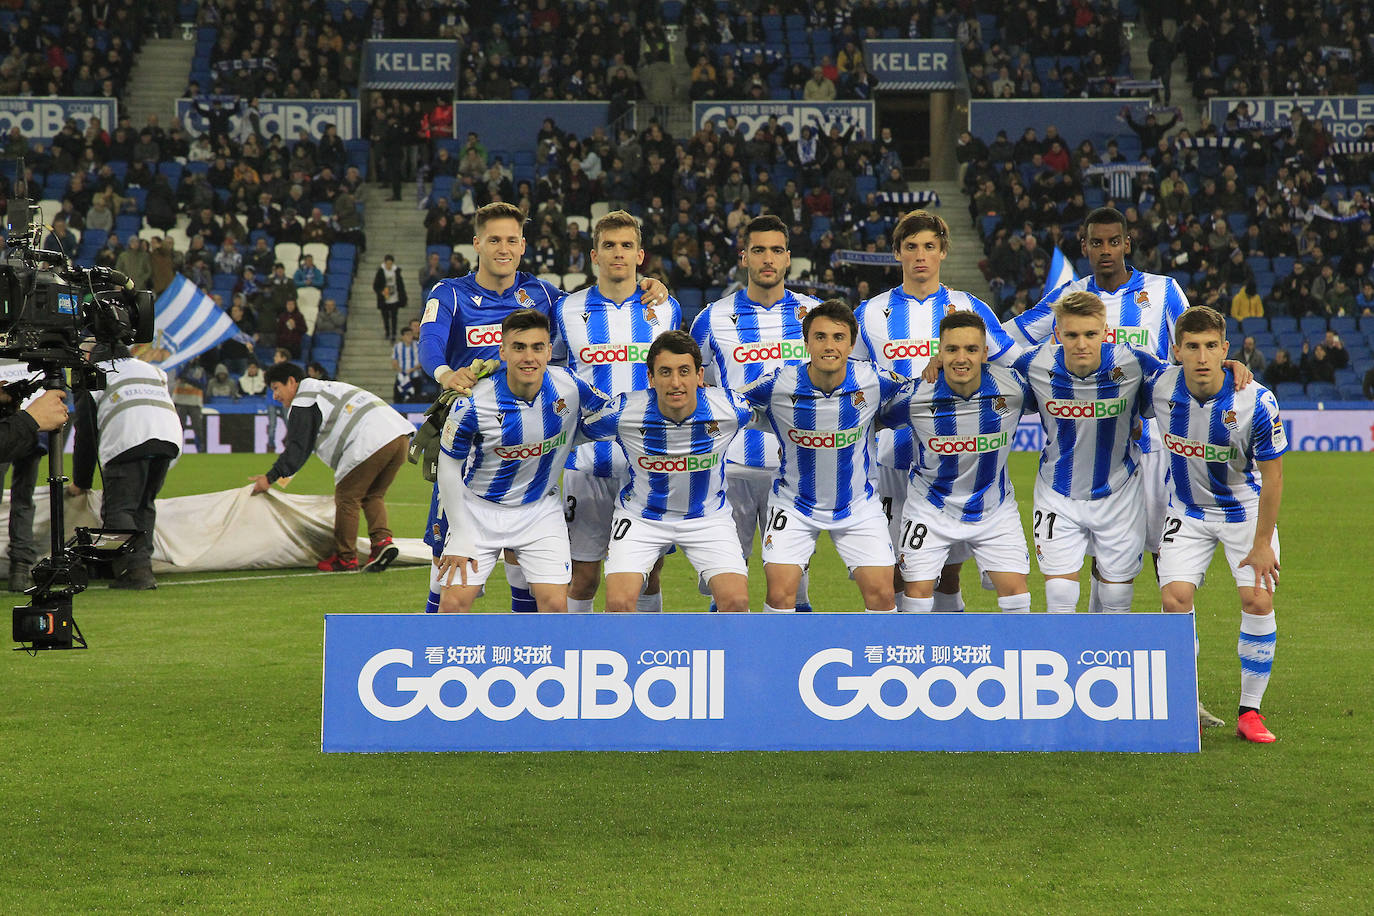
1061, 596
1115, 597
891, 610
1014, 604
1258, 633
917, 605
804, 590
1094, 595
515, 576
948, 604
769, 609
650, 604
580, 605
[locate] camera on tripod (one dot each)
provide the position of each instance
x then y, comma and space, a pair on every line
52, 313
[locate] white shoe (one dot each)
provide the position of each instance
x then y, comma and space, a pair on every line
1205, 719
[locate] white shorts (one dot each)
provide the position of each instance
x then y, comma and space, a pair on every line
1154, 466
589, 503
1189, 543
998, 542
860, 540
536, 533
1112, 529
709, 542
747, 490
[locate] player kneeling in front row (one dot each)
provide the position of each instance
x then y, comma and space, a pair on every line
502, 450
1219, 440
674, 438
963, 424
823, 412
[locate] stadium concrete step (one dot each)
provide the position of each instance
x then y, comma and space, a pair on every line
395, 228
960, 270
158, 79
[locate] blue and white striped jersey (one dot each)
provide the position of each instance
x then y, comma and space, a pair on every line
741, 341
407, 357
607, 343
1089, 452
1141, 313
962, 443
827, 439
462, 320
1214, 445
897, 331
513, 450
677, 470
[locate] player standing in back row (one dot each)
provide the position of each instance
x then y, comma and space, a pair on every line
1225, 453
603, 334
742, 338
900, 330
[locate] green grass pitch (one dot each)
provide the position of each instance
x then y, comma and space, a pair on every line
176, 766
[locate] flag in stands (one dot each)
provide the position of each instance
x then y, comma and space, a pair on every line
1061, 271
187, 323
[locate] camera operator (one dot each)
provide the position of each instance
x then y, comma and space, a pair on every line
22, 552
132, 428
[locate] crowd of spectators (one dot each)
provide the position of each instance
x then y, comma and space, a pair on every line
66, 48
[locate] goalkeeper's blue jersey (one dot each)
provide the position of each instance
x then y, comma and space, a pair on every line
512, 450
462, 319
677, 469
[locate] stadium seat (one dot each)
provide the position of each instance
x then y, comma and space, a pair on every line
800, 266
1342, 325
599, 209
689, 298
1255, 325
289, 253
572, 281
318, 250
1350, 392
1283, 264
1321, 391
308, 301
1290, 391
469, 252
555, 279
1290, 341
1312, 324
1283, 324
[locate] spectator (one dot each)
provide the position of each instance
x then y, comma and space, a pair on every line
329, 320
1252, 357
390, 288
1246, 303
229, 260
291, 329
819, 88
61, 238
1368, 386
405, 362
1281, 370
251, 384
136, 263
1316, 364
221, 384
1335, 351
308, 274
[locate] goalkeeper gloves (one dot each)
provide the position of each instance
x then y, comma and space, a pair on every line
424, 446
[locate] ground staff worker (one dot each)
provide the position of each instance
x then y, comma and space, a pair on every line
358, 435
132, 427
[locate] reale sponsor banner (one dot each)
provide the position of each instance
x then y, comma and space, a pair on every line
42, 119
819, 116
1345, 116
512, 682
285, 117
410, 64
913, 64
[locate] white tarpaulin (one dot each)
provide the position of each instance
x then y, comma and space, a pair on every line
231, 529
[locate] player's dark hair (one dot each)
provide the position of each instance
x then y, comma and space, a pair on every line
1105, 216
766, 223
496, 210
280, 372
963, 319
617, 219
1199, 319
674, 341
920, 221
524, 320
834, 309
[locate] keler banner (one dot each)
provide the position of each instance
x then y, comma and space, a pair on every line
637, 682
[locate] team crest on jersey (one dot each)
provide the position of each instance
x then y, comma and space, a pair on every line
857, 399
649, 314
1118, 374
712, 428
560, 406
950, 308
999, 404
1142, 298
801, 312
524, 299
1228, 419
768, 541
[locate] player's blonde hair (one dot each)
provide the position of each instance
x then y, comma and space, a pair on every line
1081, 304
617, 219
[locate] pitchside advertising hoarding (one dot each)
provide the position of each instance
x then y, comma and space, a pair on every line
407, 64
913, 65
512, 682
285, 117
819, 116
1345, 116
42, 119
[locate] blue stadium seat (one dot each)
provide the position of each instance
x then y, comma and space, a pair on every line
1255, 325
329, 341
1264, 341
1283, 324
1290, 391
1238, 223
1351, 392
1312, 324
1321, 391
1233, 333
1341, 325
1283, 264
672, 11
128, 222
795, 22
